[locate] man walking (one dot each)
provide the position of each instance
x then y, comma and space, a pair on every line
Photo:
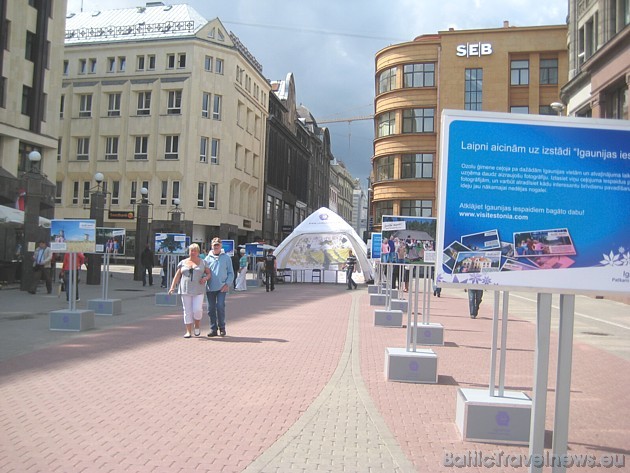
270, 270
146, 259
42, 259
218, 286
350, 266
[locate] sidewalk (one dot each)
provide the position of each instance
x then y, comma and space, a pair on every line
297, 385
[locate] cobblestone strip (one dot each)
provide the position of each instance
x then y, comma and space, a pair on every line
341, 431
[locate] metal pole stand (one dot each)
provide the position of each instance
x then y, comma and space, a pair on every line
104, 305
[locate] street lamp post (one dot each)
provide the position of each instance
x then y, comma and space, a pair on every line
558, 107
97, 211
33, 186
176, 213
142, 232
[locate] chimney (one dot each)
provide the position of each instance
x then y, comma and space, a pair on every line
506, 24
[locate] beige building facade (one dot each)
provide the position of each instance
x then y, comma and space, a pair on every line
157, 97
509, 69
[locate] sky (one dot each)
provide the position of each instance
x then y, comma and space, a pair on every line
330, 45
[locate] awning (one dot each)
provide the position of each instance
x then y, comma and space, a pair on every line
15, 218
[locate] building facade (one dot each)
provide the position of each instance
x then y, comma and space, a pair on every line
31, 52
157, 97
342, 186
599, 59
509, 69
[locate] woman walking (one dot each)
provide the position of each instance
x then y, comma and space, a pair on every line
191, 276
241, 279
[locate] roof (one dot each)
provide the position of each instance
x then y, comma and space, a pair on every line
156, 21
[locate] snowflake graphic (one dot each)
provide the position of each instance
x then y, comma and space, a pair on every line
611, 259
625, 259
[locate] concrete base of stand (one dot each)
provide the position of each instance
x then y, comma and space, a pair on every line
105, 306
393, 293
492, 419
71, 320
399, 304
418, 366
164, 298
427, 334
388, 318
378, 299
374, 289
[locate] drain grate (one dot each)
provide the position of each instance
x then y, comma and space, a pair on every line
599, 334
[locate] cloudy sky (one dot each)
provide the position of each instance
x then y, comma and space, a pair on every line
329, 46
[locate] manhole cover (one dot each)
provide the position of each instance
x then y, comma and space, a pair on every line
599, 334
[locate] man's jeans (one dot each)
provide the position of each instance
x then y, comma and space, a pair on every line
216, 308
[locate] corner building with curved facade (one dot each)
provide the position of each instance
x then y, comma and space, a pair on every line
509, 69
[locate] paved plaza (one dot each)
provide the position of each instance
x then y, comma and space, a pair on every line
297, 385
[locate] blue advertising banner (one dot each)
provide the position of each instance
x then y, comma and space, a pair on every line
534, 203
377, 240
228, 247
171, 244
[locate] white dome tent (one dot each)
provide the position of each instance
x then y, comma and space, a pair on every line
322, 242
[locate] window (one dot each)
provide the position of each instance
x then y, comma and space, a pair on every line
203, 150
218, 66
212, 195
419, 75
65, 67
164, 192
151, 59
58, 192
29, 52
216, 108
548, 71
205, 105
115, 192
133, 194
417, 166
3, 81
238, 157
207, 65
59, 141
546, 110
384, 168
141, 147
519, 109
82, 66
416, 208
382, 208
85, 105
83, 149
75, 193
113, 105
5, 34
386, 124
92, 68
122, 63
111, 148
174, 102
519, 72
201, 194
387, 80
175, 192
418, 120
615, 104
171, 150
214, 152
86, 192
181, 60
111, 64
473, 85
140, 63
144, 103
170, 61
62, 105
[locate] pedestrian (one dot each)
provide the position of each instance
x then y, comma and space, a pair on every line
70, 272
217, 288
271, 267
350, 267
241, 279
146, 259
191, 276
236, 258
163, 259
42, 264
474, 301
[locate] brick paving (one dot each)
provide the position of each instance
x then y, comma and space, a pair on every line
297, 385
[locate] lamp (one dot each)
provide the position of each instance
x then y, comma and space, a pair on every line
558, 107
176, 213
144, 192
35, 158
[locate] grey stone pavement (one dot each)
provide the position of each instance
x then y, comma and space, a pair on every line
296, 386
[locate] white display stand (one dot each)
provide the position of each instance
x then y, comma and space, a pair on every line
378, 299
374, 289
418, 366
399, 304
67, 320
105, 306
505, 419
388, 318
427, 334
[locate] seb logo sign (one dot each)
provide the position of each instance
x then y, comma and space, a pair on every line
474, 49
